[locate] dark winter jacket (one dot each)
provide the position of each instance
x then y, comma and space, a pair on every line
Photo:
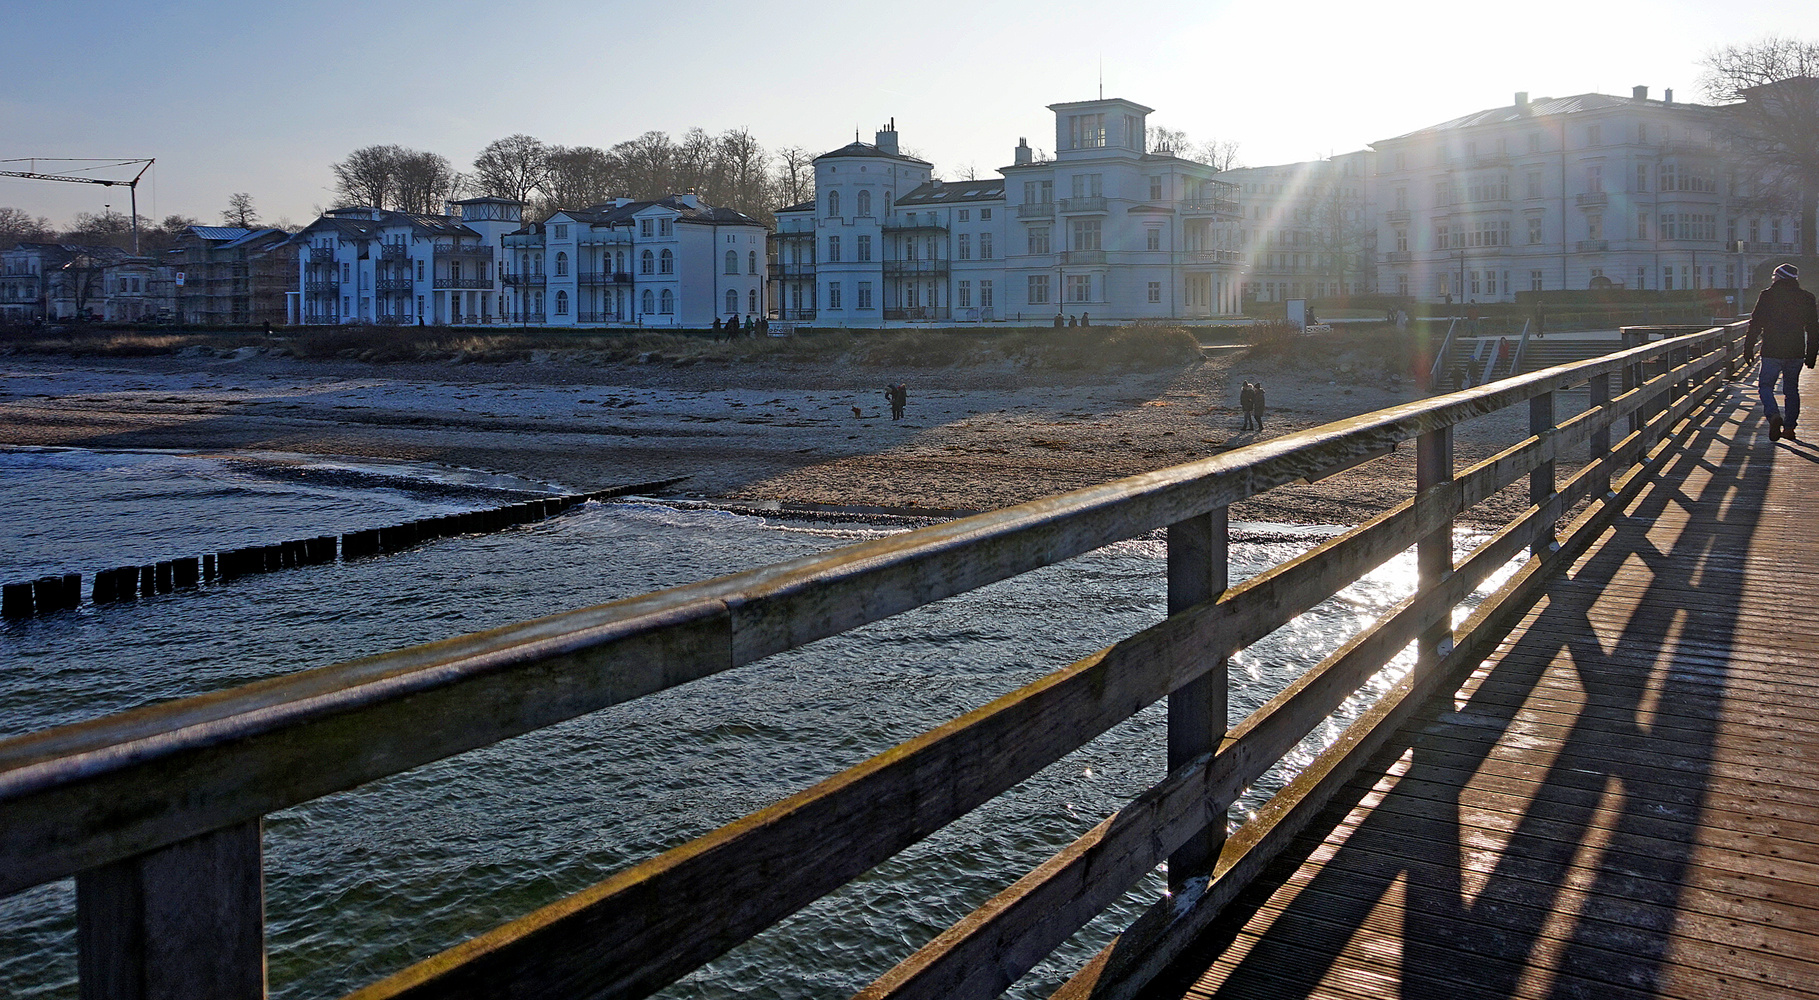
1784, 312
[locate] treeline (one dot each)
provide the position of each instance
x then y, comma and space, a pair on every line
731, 170
109, 228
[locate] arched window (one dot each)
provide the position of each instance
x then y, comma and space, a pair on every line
669, 302
667, 263
751, 301
650, 300
751, 262
865, 203
561, 264
833, 204
648, 264
619, 261
537, 262
561, 297
732, 262
732, 301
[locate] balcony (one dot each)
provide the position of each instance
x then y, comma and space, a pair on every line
322, 288
597, 316
914, 268
464, 250
796, 315
1075, 258
321, 255
1750, 247
1592, 198
1073, 206
914, 313
1398, 257
391, 251
792, 271
793, 234
392, 284
476, 283
1208, 257
1594, 246
526, 280
910, 224
1228, 209
603, 277
611, 237
1396, 215
1490, 160
1038, 210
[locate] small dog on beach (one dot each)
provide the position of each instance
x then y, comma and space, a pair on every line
857, 412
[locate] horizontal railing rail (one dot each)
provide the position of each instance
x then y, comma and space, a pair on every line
137, 798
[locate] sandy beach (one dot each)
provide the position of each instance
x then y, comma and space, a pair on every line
973, 438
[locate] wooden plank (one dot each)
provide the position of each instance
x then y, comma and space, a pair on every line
1198, 570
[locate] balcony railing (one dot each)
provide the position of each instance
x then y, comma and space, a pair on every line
1594, 246
910, 223
1749, 247
322, 288
603, 277
321, 255
914, 268
1076, 257
1398, 257
1396, 215
792, 270
606, 238
793, 234
1207, 256
477, 283
1036, 210
463, 250
535, 278
526, 318
1083, 204
915, 313
796, 315
596, 316
393, 284
1593, 198
391, 251
1227, 208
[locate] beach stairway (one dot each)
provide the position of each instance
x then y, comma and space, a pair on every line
1543, 352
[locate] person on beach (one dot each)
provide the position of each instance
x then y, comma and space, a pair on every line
1257, 403
1787, 321
899, 397
1086, 319
1060, 320
1247, 399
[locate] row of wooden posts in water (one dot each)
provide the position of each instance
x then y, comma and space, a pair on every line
50, 594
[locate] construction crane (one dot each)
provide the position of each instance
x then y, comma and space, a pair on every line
100, 164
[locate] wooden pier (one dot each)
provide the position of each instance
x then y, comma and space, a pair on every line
1600, 781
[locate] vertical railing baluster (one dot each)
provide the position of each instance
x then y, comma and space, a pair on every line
183, 922
1599, 447
1541, 481
1434, 552
1198, 570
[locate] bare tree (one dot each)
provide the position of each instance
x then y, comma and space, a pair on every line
240, 211
112, 229
422, 181
19, 226
1769, 96
513, 167
1218, 154
648, 164
698, 165
369, 176
579, 176
744, 168
795, 181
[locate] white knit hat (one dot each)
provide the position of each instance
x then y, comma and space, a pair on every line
1787, 272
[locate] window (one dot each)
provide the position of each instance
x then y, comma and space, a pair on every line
1642, 277
1086, 131
1038, 289
647, 228
346, 272
419, 305
1534, 281
864, 200
732, 301
1442, 238
833, 249
1155, 189
1667, 278
1152, 239
1088, 185
649, 300
751, 301
647, 264
1155, 291
732, 262
963, 247
561, 264
751, 262
865, 295
1086, 234
666, 262
1594, 227
965, 214
985, 246
833, 204
865, 249
985, 295
1036, 193
667, 302
1038, 239
1642, 132
562, 231
1594, 135
1642, 174
419, 270
562, 303
985, 215
1534, 183
666, 227
1402, 199
965, 295
1534, 229
1402, 285
1642, 225
833, 295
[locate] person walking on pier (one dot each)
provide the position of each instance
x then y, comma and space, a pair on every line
1786, 319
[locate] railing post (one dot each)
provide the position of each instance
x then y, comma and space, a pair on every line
1631, 378
1599, 446
183, 922
1198, 570
1541, 482
1434, 552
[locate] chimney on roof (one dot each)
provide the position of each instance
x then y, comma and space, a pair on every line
1522, 100
1023, 155
1667, 96
887, 138
1639, 93
690, 198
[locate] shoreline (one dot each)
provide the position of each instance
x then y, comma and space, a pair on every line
768, 438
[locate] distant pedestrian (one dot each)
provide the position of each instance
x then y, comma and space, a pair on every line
1257, 403
1784, 312
1086, 319
1060, 320
899, 397
1471, 318
1247, 399
1073, 320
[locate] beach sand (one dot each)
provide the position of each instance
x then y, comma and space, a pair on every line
742, 432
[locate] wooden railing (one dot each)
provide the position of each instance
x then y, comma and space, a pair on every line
157, 811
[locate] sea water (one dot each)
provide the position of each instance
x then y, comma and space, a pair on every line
364, 882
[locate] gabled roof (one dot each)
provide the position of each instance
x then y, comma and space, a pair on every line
1546, 107
866, 149
805, 206
613, 213
953, 192
220, 232
358, 228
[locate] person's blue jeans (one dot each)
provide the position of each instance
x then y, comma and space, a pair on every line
1787, 372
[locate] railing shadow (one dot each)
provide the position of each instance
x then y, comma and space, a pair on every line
1606, 839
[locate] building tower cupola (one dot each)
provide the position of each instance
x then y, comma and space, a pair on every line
1023, 155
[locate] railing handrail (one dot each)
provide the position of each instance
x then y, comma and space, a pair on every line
79, 796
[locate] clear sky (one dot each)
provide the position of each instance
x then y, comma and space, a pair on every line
262, 95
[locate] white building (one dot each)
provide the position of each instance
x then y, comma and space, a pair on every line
366, 265
1567, 193
49, 282
1134, 234
1305, 230
674, 261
